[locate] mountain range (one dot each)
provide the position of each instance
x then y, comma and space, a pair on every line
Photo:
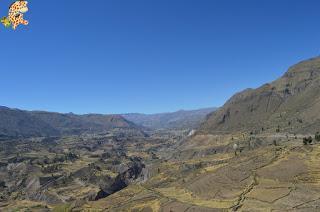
15, 122
182, 119
288, 104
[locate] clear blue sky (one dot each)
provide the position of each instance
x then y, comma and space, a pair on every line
119, 56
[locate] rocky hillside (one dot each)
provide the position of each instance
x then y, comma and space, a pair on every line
14, 122
182, 119
289, 104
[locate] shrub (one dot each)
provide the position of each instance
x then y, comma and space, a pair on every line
307, 141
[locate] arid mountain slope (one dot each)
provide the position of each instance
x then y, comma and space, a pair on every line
14, 122
289, 104
182, 119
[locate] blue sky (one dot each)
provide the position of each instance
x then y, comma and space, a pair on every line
120, 56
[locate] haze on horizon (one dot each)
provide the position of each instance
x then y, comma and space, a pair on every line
150, 56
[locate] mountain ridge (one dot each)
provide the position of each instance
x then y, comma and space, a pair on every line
287, 104
16, 122
181, 119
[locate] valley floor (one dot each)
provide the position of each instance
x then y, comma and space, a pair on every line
266, 176
285, 177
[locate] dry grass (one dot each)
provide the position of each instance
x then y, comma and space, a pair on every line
153, 205
185, 196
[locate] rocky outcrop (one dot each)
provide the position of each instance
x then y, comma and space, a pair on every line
132, 174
